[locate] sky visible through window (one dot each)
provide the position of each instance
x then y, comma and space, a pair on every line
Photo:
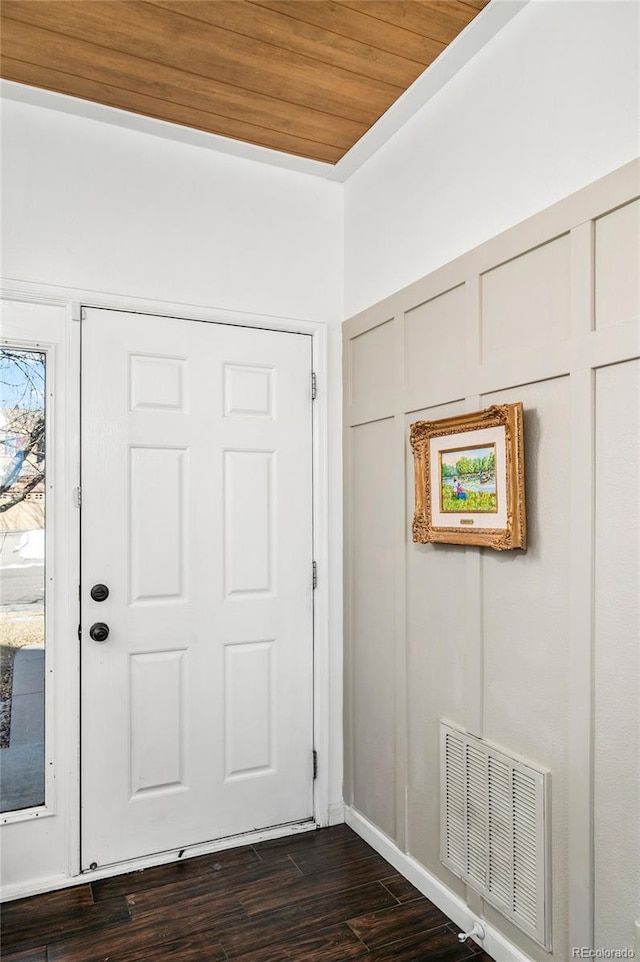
21, 379
22, 577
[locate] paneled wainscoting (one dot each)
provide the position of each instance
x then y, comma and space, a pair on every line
323, 896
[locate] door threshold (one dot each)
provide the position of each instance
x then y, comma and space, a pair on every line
193, 851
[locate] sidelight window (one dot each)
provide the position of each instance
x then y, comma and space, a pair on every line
23, 418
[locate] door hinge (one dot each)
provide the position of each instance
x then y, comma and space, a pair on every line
79, 632
315, 764
315, 574
314, 385
77, 496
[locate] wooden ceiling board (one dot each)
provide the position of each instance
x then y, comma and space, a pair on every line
307, 77
440, 20
341, 18
128, 83
177, 41
298, 36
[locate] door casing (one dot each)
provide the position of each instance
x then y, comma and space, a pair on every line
56, 835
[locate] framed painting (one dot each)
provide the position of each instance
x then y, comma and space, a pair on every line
469, 479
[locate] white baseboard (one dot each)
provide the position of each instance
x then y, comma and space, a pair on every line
336, 813
495, 944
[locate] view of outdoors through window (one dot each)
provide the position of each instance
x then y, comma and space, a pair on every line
22, 577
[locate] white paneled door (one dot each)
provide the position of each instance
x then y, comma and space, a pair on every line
197, 706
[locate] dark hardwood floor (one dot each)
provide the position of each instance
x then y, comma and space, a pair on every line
323, 896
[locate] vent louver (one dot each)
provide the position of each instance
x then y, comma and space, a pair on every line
494, 828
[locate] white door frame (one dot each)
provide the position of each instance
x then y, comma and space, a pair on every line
68, 702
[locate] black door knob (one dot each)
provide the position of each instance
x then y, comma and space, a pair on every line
99, 631
99, 592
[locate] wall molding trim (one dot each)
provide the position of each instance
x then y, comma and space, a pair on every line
432, 888
546, 312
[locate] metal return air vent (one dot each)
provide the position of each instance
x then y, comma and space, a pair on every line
494, 831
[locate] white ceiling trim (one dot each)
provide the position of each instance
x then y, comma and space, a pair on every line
37, 97
454, 57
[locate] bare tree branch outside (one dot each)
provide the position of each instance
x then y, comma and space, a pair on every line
22, 574
22, 425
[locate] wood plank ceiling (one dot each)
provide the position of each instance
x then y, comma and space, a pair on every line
307, 77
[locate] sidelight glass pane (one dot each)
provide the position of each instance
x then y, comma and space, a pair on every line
22, 577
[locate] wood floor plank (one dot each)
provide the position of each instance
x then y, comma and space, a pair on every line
174, 872
334, 944
402, 889
144, 935
27, 933
306, 841
332, 855
203, 912
258, 898
301, 917
38, 954
201, 947
46, 904
399, 922
440, 945
223, 888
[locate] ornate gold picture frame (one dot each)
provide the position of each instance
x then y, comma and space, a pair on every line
469, 479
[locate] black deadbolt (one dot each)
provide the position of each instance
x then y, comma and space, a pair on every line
99, 592
99, 631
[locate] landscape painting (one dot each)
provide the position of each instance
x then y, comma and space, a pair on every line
468, 479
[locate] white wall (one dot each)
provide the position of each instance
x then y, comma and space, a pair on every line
93, 207
551, 104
